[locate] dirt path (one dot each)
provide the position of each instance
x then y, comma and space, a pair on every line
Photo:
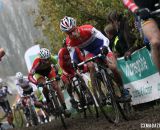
151, 115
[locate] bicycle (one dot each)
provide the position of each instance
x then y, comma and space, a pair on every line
56, 109
106, 99
29, 108
86, 99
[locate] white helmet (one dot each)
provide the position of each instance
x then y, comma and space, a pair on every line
67, 23
44, 53
19, 75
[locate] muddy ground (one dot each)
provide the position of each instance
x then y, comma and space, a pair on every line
144, 114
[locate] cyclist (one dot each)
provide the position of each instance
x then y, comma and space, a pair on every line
42, 113
24, 86
4, 103
150, 28
89, 39
66, 65
45, 66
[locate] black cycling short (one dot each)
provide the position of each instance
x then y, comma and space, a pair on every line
28, 92
44, 72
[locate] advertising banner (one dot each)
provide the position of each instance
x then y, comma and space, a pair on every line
140, 76
30, 55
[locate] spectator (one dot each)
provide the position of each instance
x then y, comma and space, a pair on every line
122, 34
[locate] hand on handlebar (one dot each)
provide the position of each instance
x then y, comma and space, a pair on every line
104, 50
143, 13
127, 56
74, 65
58, 77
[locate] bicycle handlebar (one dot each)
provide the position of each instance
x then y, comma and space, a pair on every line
156, 12
48, 82
89, 60
27, 95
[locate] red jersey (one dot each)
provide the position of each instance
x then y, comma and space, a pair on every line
64, 60
84, 38
40, 67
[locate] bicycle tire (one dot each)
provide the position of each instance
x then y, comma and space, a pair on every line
125, 108
58, 109
33, 116
106, 107
79, 91
86, 92
93, 101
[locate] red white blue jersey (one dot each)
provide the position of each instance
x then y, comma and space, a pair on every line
90, 40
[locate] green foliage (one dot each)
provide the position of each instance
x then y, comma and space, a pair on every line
84, 11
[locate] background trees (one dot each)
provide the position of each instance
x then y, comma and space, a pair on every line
85, 11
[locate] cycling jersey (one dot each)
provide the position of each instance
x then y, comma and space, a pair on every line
24, 87
135, 4
42, 68
3, 93
89, 39
64, 60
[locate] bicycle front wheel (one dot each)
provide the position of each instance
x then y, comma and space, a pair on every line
105, 98
58, 109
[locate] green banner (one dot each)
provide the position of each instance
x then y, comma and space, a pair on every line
140, 67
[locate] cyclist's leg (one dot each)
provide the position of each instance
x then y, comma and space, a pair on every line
2, 104
67, 80
40, 79
9, 113
92, 69
112, 64
60, 95
68, 85
152, 32
56, 87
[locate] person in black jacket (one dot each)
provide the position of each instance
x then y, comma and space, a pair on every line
123, 38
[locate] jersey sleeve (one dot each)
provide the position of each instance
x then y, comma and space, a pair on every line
53, 59
32, 71
79, 54
19, 90
130, 5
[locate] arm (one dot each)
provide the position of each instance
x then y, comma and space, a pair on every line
32, 72
8, 91
19, 89
130, 4
55, 64
63, 63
